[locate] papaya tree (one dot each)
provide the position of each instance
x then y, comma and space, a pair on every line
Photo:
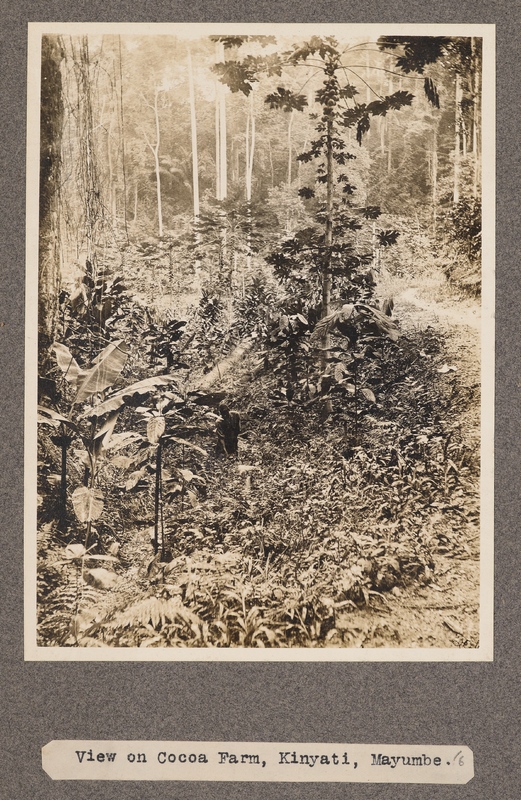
92, 407
328, 249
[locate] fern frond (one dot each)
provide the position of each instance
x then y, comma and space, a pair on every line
154, 611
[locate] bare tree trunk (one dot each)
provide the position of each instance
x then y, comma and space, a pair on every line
217, 144
135, 204
250, 150
457, 146
290, 125
195, 156
434, 180
52, 115
272, 168
193, 127
223, 171
155, 152
220, 130
326, 273
389, 134
122, 129
476, 117
367, 78
112, 180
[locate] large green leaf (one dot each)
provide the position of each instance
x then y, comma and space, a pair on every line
87, 503
124, 395
120, 440
107, 368
67, 363
50, 417
155, 429
102, 438
186, 443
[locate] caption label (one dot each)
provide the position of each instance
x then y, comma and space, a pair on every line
256, 761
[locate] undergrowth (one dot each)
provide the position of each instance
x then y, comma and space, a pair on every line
275, 548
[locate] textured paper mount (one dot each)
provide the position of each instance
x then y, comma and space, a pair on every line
485, 650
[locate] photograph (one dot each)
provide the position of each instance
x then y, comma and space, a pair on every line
259, 342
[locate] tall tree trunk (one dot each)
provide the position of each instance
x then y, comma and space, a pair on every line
51, 125
221, 153
250, 147
155, 152
122, 130
220, 130
326, 272
112, 179
193, 128
223, 170
272, 167
91, 190
457, 144
134, 221
250, 150
476, 117
434, 180
290, 125
367, 78
195, 156
217, 144
389, 134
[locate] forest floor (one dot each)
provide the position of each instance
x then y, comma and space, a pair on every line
444, 613
311, 536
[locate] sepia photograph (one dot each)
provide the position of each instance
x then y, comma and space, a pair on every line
259, 349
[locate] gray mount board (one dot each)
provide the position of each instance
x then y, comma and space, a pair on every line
476, 704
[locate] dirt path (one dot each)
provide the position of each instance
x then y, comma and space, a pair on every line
462, 315
445, 612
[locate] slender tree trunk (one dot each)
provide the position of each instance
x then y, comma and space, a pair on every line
158, 174
195, 156
193, 128
434, 180
367, 78
250, 150
221, 153
223, 148
217, 144
326, 274
476, 118
272, 168
220, 130
389, 134
112, 180
135, 204
122, 129
457, 145
157, 498
155, 152
290, 125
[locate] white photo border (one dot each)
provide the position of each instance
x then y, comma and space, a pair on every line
484, 652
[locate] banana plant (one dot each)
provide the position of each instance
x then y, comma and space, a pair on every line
93, 425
